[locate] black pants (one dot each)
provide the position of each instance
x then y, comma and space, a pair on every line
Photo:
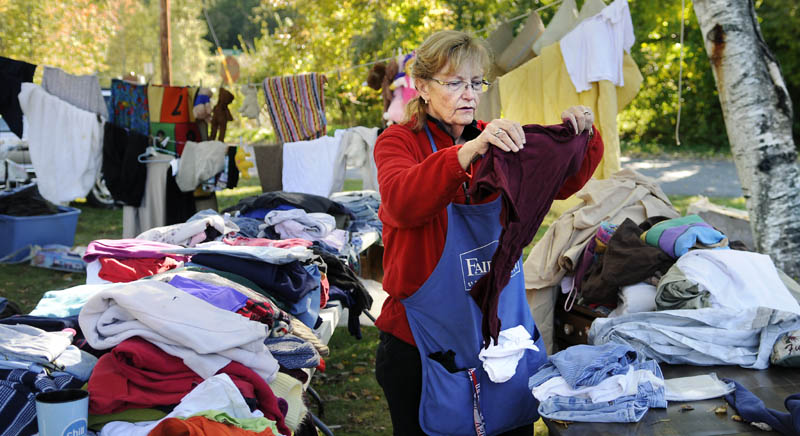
398, 369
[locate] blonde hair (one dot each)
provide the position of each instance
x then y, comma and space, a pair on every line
446, 48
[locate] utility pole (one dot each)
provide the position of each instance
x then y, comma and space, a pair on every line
166, 48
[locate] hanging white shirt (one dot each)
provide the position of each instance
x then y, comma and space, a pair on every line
65, 142
308, 166
593, 50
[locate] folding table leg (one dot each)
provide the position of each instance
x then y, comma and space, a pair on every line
318, 400
321, 425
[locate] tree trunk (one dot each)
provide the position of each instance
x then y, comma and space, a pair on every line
758, 119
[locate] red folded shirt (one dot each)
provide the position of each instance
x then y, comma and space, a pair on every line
136, 374
127, 270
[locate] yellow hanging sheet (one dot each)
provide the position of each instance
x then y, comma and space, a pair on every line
540, 89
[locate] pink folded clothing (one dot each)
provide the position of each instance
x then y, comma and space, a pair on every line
264, 242
129, 249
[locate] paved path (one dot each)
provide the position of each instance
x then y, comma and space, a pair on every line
712, 178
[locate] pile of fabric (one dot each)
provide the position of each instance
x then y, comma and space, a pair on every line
34, 360
196, 326
605, 383
673, 288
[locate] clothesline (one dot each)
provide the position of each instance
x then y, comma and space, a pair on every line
510, 20
521, 16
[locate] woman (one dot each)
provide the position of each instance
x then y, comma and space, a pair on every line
424, 167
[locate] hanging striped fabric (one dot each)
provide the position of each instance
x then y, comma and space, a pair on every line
296, 106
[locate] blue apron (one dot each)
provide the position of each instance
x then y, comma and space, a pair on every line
443, 316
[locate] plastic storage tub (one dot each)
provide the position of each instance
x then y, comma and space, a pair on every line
17, 232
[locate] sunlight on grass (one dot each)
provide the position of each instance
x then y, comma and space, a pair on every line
229, 197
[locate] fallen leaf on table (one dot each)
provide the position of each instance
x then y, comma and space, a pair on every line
686, 408
564, 423
737, 418
721, 410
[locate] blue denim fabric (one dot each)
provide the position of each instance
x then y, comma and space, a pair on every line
703, 337
586, 365
248, 227
364, 205
76, 362
630, 408
589, 365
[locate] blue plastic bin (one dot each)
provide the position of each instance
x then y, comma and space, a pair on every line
18, 231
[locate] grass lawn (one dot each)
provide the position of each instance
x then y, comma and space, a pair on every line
354, 403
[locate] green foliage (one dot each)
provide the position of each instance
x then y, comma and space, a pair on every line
70, 34
110, 38
779, 21
309, 36
232, 19
648, 123
279, 37
651, 117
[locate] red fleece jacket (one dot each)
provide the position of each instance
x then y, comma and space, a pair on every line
416, 186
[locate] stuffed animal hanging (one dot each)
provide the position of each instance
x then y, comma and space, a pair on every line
202, 105
221, 115
250, 106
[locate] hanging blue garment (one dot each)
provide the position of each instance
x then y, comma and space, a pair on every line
443, 316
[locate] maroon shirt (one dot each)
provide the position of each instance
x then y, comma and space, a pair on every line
529, 181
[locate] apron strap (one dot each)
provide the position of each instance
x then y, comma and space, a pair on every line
464, 185
477, 415
430, 138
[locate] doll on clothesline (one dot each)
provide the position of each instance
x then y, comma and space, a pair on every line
396, 85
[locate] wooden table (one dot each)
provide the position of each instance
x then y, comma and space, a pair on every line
772, 385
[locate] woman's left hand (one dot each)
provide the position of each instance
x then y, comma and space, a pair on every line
581, 118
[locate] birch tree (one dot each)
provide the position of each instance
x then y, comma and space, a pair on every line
758, 118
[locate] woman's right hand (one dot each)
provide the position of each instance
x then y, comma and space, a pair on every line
504, 134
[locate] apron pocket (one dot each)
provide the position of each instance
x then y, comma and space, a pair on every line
514, 391
446, 403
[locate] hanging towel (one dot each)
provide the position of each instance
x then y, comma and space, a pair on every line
66, 144
12, 75
250, 106
155, 96
125, 176
296, 106
520, 50
199, 162
564, 20
356, 151
308, 166
81, 91
129, 107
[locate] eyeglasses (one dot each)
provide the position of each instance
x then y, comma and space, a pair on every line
478, 86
